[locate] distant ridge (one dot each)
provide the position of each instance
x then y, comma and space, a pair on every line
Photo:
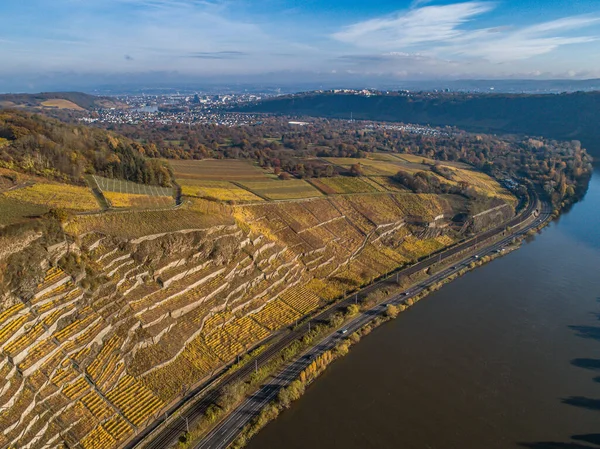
58, 100
571, 116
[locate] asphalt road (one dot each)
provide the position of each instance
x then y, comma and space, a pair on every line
226, 431
156, 436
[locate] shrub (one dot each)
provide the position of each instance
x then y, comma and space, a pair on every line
352, 310
391, 311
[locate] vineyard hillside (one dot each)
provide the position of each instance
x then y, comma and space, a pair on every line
108, 317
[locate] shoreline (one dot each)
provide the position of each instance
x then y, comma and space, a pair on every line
269, 409
208, 389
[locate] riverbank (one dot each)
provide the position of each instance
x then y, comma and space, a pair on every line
296, 388
501, 358
222, 434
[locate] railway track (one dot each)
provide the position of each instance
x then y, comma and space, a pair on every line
165, 432
227, 430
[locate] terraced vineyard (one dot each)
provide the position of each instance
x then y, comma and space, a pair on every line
131, 309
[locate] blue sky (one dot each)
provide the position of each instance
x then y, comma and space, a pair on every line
420, 39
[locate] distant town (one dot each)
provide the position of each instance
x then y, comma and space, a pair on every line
176, 108
216, 109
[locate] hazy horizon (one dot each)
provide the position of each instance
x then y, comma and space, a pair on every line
90, 44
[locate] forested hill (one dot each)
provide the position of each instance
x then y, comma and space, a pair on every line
58, 100
38, 145
565, 116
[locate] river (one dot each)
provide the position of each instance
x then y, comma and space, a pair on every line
507, 356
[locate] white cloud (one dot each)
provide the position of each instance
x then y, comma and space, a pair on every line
418, 3
427, 24
441, 31
510, 44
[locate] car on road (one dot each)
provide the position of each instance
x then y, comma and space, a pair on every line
344, 331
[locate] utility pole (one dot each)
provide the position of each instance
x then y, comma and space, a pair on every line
256, 366
187, 425
356, 298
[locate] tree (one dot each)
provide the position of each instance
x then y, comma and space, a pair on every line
353, 309
231, 394
356, 170
391, 311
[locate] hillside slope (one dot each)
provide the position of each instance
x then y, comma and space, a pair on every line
110, 317
565, 116
110, 314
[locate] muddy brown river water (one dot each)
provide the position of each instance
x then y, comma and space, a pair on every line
507, 356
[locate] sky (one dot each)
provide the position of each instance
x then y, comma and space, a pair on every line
227, 39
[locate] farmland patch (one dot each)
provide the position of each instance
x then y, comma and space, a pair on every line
217, 169
221, 190
56, 196
344, 184
282, 190
61, 104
